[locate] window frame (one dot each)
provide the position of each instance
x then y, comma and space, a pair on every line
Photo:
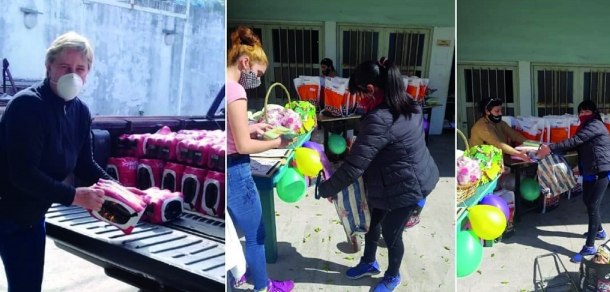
267, 28
462, 110
384, 41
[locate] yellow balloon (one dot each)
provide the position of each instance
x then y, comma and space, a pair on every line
488, 222
308, 161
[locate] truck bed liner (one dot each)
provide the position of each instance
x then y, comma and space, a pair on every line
176, 254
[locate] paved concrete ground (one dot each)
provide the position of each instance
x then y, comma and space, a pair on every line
313, 250
68, 273
509, 266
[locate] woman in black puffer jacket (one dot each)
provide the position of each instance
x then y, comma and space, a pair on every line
390, 153
593, 144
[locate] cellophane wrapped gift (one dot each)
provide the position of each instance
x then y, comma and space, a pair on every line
467, 170
307, 112
490, 160
291, 120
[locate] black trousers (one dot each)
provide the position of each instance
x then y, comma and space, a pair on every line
593, 193
392, 224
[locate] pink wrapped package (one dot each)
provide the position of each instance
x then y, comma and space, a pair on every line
162, 205
137, 144
213, 197
192, 186
468, 170
121, 208
172, 176
274, 115
216, 159
201, 151
291, 120
150, 172
184, 149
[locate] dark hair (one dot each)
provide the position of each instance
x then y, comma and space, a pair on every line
384, 75
590, 105
488, 104
328, 62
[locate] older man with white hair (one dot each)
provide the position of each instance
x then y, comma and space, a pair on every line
45, 134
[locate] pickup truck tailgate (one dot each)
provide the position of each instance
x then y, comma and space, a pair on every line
172, 256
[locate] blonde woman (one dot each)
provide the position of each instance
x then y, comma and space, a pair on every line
247, 63
45, 136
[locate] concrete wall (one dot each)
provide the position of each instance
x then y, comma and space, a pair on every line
524, 32
436, 14
134, 69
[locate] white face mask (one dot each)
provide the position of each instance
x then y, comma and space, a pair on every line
68, 86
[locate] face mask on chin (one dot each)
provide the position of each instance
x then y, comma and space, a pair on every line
68, 86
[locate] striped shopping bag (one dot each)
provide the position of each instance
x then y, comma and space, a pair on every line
555, 177
353, 210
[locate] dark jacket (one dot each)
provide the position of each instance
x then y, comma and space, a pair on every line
593, 145
397, 168
42, 140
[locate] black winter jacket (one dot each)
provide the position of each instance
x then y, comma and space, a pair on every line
397, 168
593, 145
42, 140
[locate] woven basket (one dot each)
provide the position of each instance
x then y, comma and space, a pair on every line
464, 192
299, 139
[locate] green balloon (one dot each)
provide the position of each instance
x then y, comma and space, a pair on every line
336, 144
530, 190
291, 187
469, 253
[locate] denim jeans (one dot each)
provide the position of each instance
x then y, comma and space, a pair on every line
22, 250
244, 206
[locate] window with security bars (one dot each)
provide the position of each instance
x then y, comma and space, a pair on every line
407, 47
555, 88
559, 89
596, 87
478, 82
292, 51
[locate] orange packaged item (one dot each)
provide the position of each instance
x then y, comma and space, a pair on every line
413, 87
336, 97
308, 88
530, 127
423, 87
557, 127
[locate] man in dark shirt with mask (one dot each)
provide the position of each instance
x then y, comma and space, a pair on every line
45, 134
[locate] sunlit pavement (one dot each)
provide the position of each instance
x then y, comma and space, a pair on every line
313, 250
509, 265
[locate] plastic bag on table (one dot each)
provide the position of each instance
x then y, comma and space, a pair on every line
308, 89
530, 127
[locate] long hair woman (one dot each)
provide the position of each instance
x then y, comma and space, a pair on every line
593, 145
247, 62
390, 153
